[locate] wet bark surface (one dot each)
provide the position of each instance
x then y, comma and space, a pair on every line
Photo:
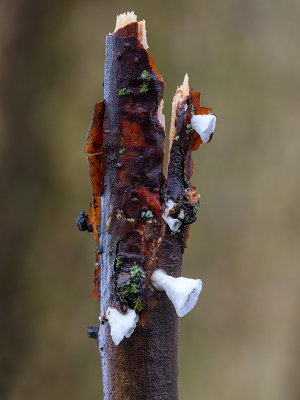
125, 146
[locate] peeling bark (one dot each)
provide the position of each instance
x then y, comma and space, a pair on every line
125, 147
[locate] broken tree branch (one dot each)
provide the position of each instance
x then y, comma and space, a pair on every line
139, 219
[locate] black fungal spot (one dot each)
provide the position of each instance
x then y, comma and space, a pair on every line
82, 223
92, 332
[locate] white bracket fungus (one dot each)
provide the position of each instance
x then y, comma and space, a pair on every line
204, 125
183, 292
174, 223
121, 325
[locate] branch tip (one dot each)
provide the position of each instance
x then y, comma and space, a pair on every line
125, 19
130, 17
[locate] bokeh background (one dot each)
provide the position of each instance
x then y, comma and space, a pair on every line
242, 341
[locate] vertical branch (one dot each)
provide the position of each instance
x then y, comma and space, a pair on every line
133, 149
140, 221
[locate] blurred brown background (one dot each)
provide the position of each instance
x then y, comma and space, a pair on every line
242, 340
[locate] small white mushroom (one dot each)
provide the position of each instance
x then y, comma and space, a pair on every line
204, 125
174, 223
183, 292
121, 325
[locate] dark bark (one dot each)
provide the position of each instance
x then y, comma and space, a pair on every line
126, 149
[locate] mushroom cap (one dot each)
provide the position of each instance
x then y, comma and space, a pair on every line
183, 292
204, 125
121, 325
174, 223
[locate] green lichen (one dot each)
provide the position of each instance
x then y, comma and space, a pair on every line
124, 91
138, 305
122, 151
188, 129
147, 214
145, 76
192, 109
144, 89
133, 286
118, 262
145, 79
130, 219
136, 272
186, 191
176, 138
130, 287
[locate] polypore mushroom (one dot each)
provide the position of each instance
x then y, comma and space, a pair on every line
183, 292
174, 223
121, 325
204, 125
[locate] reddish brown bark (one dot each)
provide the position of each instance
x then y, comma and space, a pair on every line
125, 146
